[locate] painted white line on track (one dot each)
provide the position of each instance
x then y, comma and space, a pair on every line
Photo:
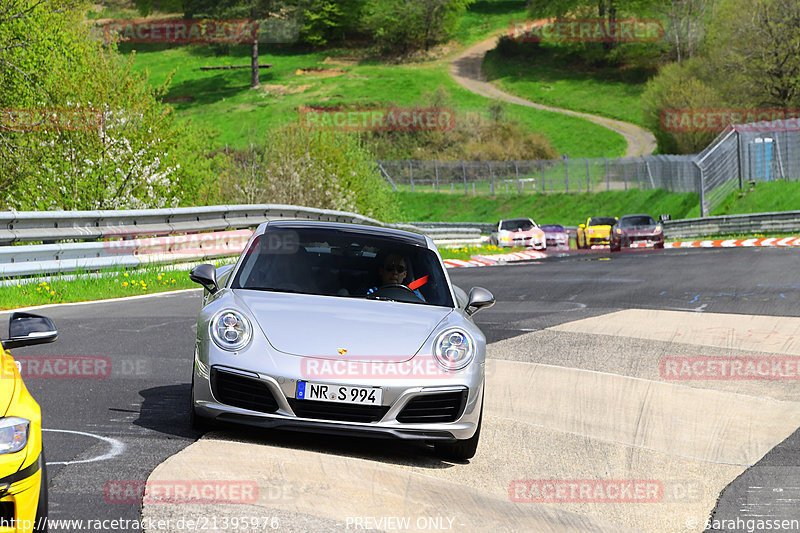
117, 447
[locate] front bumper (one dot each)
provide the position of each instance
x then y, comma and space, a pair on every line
528, 242
396, 397
642, 241
19, 498
595, 240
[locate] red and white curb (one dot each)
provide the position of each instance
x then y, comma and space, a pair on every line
735, 243
488, 260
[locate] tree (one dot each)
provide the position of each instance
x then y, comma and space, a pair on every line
685, 25
755, 51
80, 129
298, 166
403, 25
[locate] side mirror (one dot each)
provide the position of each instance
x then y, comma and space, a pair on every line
27, 329
582, 226
205, 275
479, 298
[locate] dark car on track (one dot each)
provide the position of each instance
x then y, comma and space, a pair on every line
636, 231
555, 235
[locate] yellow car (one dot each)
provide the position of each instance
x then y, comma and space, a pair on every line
596, 231
23, 479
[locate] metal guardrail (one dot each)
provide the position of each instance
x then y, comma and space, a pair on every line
53, 226
482, 227
115, 238
780, 222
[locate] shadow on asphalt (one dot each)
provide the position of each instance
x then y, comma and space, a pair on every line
166, 410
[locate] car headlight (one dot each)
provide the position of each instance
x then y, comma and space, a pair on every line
454, 349
590, 230
658, 228
505, 239
619, 231
230, 330
13, 434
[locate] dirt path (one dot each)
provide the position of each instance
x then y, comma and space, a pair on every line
466, 69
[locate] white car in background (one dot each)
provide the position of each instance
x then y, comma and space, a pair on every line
512, 232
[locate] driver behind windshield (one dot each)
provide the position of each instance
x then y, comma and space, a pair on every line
392, 270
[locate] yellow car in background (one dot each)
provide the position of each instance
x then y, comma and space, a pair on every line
596, 231
23, 478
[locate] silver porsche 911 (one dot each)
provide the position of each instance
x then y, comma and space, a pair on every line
341, 328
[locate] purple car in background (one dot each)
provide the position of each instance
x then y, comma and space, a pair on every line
555, 235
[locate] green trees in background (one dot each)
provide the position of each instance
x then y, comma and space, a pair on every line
299, 166
404, 25
80, 130
749, 62
394, 25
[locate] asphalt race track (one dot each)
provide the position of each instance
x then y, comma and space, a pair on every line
577, 391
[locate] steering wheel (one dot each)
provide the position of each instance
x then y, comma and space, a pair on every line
395, 291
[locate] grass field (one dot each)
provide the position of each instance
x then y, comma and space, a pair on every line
553, 79
224, 101
766, 197
571, 209
559, 208
488, 16
85, 286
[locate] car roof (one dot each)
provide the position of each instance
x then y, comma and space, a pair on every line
377, 231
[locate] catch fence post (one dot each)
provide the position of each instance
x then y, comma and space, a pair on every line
587, 174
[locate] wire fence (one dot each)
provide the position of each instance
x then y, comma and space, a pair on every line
742, 153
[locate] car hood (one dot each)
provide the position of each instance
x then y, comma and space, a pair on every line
599, 229
321, 326
528, 233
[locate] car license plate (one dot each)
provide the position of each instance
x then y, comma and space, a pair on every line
327, 392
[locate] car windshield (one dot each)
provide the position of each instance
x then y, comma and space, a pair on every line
331, 262
517, 224
602, 221
638, 220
